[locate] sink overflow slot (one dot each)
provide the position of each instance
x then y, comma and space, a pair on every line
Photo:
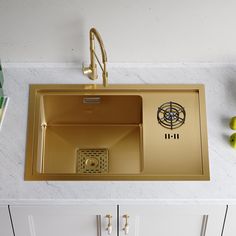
91, 100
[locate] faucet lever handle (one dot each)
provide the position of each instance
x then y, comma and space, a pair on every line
86, 70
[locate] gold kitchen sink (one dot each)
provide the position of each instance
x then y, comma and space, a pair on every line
122, 132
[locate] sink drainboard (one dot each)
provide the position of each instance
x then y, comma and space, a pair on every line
92, 161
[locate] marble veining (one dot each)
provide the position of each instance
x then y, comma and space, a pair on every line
220, 85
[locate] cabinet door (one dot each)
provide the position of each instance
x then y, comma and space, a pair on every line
5, 222
184, 220
84, 220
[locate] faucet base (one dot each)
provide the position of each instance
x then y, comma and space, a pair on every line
90, 71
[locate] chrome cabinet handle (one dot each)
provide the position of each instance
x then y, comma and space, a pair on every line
204, 225
126, 227
109, 225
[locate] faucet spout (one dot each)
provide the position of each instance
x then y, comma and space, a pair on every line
91, 70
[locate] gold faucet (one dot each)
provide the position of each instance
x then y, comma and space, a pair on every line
91, 70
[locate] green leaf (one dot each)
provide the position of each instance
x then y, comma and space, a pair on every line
1, 101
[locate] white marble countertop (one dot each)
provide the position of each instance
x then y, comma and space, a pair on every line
220, 85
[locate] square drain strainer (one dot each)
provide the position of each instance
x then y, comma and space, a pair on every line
92, 161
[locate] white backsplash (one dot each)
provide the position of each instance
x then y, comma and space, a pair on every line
133, 31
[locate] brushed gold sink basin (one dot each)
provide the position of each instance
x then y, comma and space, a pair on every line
87, 132
70, 123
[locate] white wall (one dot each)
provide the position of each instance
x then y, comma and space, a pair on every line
133, 30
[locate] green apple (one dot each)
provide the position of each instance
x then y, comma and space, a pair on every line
232, 123
232, 140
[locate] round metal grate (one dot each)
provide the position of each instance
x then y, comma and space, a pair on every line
171, 115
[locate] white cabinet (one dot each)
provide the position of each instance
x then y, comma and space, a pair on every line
184, 220
5, 222
127, 219
69, 220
